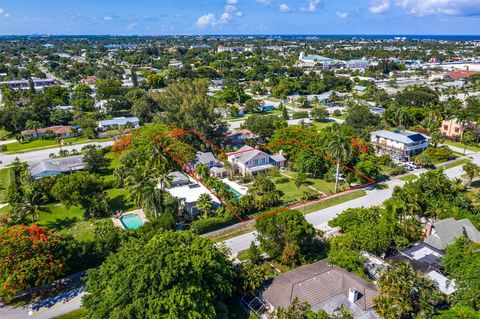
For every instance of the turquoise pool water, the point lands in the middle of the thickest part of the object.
(131, 221)
(236, 194)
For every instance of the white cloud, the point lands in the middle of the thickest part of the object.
(312, 5)
(232, 1)
(380, 7)
(107, 18)
(3, 13)
(131, 26)
(230, 8)
(342, 15)
(225, 17)
(238, 14)
(206, 20)
(441, 7)
(264, 2)
(284, 7)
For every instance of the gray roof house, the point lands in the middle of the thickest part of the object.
(442, 233)
(400, 144)
(178, 179)
(207, 159)
(324, 287)
(55, 166)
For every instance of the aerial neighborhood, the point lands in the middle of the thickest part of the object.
(239, 176)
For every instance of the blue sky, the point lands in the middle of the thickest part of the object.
(157, 17)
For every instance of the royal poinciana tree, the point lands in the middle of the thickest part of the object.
(29, 256)
(172, 275)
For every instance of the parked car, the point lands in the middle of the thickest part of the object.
(412, 164)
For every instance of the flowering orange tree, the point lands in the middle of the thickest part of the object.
(29, 257)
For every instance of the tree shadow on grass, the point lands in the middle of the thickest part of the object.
(60, 224)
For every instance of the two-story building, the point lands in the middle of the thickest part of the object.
(251, 161)
(400, 145)
(453, 129)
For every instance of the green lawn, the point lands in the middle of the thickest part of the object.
(5, 210)
(455, 164)
(6, 176)
(4, 134)
(289, 190)
(460, 145)
(320, 184)
(76, 314)
(42, 144)
(409, 178)
(321, 125)
(119, 200)
(59, 218)
(332, 201)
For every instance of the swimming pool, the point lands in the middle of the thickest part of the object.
(131, 221)
(236, 194)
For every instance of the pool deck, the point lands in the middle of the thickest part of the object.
(239, 188)
(117, 222)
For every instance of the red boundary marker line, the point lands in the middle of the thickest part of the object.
(227, 206)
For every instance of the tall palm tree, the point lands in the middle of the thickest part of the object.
(437, 138)
(135, 183)
(339, 148)
(153, 198)
(204, 205)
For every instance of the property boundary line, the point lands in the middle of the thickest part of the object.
(192, 174)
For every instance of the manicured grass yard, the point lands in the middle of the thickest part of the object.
(32, 144)
(119, 200)
(41, 143)
(321, 125)
(76, 314)
(455, 164)
(460, 145)
(409, 178)
(6, 175)
(290, 190)
(332, 201)
(320, 184)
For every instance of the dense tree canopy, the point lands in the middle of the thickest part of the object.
(29, 256)
(172, 275)
(287, 235)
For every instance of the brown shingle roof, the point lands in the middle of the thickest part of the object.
(316, 283)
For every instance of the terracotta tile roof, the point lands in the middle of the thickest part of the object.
(59, 129)
(458, 75)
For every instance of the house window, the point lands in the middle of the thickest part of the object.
(445, 127)
(457, 130)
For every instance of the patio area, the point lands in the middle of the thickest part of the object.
(130, 220)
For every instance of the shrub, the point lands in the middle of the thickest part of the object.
(206, 225)
(397, 170)
(300, 115)
(440, 154)
(282, 180)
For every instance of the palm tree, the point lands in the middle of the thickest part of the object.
(437, 138)
(28, 205)
(204, 204)
(472, 170)
(339, 148)
(153, 198)
(135, 182)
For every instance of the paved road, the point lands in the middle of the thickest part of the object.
(373, 197)
(34, 156)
